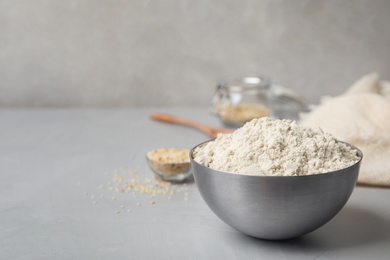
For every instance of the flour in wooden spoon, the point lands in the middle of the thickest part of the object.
(276, 147)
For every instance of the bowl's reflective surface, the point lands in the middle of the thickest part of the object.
(275, 207)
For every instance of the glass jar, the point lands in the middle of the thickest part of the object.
(239, 100)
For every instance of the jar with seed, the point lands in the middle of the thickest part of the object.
(239, 100)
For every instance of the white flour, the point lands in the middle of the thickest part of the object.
(276, 147)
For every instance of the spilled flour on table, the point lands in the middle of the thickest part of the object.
(131, 189)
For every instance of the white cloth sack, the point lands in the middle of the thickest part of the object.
(361, 117)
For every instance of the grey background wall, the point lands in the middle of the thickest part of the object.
(171, 53)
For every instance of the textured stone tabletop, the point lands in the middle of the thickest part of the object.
(60, 197)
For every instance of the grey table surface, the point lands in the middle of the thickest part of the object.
(58, 199)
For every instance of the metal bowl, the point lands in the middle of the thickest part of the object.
(275, 207)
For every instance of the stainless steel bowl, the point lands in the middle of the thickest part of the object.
(275, 207)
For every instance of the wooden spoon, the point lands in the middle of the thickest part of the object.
(210, 131)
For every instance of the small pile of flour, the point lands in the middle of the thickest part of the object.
(276, 147)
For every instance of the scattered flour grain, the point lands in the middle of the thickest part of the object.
(276, 147)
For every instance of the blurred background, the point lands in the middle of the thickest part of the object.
(98, 53)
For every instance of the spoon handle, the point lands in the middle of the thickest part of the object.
(209, 131)
(182, 121)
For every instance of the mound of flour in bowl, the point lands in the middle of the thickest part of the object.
(275, 147)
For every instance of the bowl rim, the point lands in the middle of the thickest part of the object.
(359, 152)
(168, 163)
